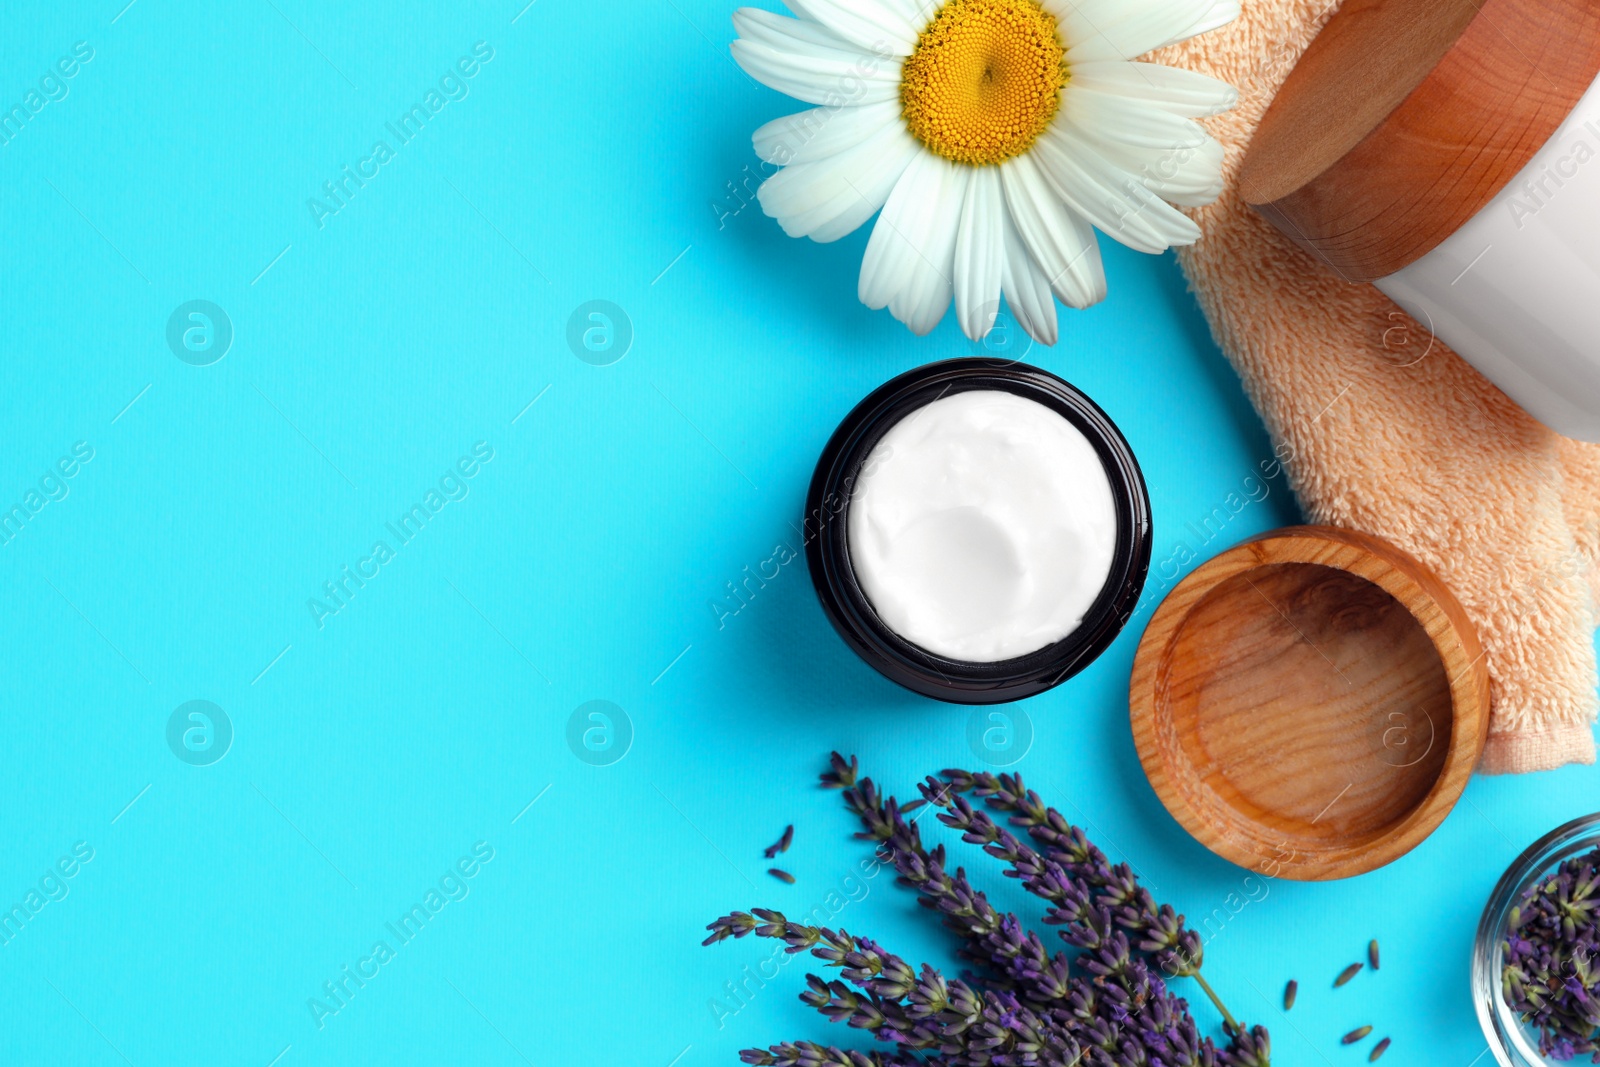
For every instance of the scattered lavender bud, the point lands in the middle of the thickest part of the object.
(781, 875)
(1288, 994)
(1355, 1035)
(1346, 974)
(1378, 1050)
(1372, 953)
(782, 844)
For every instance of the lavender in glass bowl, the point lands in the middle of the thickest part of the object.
(1535, 977)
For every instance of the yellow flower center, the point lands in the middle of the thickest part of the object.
(984, 80)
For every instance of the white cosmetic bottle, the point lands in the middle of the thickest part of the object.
(1449, 152)
(1516, 291)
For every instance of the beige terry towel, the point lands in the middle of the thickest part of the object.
(1385, 430)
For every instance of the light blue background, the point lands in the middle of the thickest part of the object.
(601, 154)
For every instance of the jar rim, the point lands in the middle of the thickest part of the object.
(826, 523)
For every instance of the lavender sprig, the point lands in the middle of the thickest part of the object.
(916, 1011)
(1248, 1048)
(994, 940)
(1160, 930)
(1070, 865)
(886, 979)
(1017, 958)
(1109, 1007)
(1088, 922)
(841, 773)
(811, 1054)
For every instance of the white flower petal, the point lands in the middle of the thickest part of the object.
(1061, 242)
(875, 25)
(909, 258)
(1112, 211)
(822, 132)
(1123, 29)
(1188, 177)
(1222, 12)
(1026, 287)
(857, 181)
(1172, 89)
(980, 253)
(798, 36)
(830, 197)
(816, 80)
(1132, 122)
(1114, 200)
(917, 13)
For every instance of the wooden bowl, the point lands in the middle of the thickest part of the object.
(1310, 704)
(1405, 117)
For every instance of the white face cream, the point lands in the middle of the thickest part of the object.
(983, 527)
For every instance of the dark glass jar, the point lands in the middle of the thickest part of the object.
(851, 612)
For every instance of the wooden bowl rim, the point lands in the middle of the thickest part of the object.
(1441, 616)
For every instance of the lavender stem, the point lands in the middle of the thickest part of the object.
(1227, 1016)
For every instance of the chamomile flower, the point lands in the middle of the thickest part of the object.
(994, 136)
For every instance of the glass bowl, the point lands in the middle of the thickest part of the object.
(1514, 1043)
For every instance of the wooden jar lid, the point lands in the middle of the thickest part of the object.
(1310, 704)
(1405, 117)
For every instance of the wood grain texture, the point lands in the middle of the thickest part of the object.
(1405, 117)
(1310, 704)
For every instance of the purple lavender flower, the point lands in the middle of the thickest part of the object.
(1549, 974)
(1249, 1048)
(1108, 1007)
(1074, 875)
(811, 1054)
(1159, 930)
